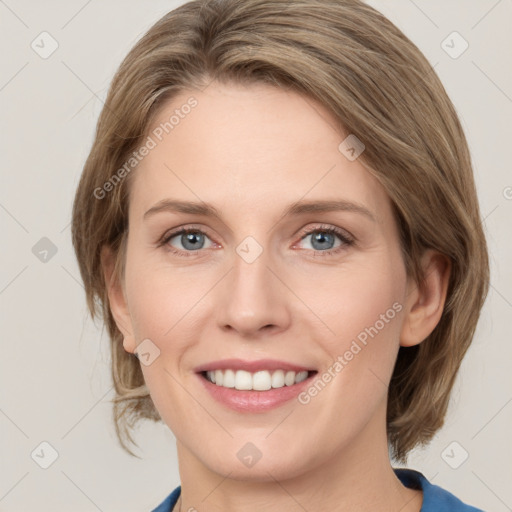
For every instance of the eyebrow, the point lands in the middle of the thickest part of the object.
(297, 208)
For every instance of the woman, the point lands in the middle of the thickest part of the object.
(279, 223)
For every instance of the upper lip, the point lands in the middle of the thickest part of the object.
(251, 366)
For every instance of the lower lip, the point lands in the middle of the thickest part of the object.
(254, 401)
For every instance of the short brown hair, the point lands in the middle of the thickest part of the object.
(378, 85)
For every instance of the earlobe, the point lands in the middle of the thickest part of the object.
(117, 299)
(425, 303)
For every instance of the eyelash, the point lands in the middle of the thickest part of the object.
(346, 240)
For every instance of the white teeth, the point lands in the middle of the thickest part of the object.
(301, 376)
(278, 379)
(243, 380)
(257, 381)
(261, 381)
(289, 378)
(229, 379)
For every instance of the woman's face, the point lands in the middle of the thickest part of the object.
(259, 288)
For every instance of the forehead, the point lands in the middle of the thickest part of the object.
(248, 148)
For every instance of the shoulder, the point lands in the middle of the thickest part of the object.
(169, 502)
(435, 498)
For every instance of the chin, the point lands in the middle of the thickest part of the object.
(266, 469)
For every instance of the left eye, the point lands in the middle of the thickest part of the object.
(322, 239)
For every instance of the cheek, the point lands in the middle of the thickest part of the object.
(162, 299)
(363, 310)
(161, 304)
(358, 298)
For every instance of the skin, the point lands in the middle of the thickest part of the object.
(251, 151)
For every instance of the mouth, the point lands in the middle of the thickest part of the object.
(255, 386)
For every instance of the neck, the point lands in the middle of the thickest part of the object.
(358, 476)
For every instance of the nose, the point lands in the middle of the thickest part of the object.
(253, 298)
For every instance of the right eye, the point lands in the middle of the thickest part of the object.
(191, 240)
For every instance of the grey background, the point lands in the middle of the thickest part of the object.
(54, 376)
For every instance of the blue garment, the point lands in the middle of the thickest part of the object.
(169, 502)
(435, 499)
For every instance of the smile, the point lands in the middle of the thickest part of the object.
(254, 386)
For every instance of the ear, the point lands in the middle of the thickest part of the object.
(425, 303)
(117, 298)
